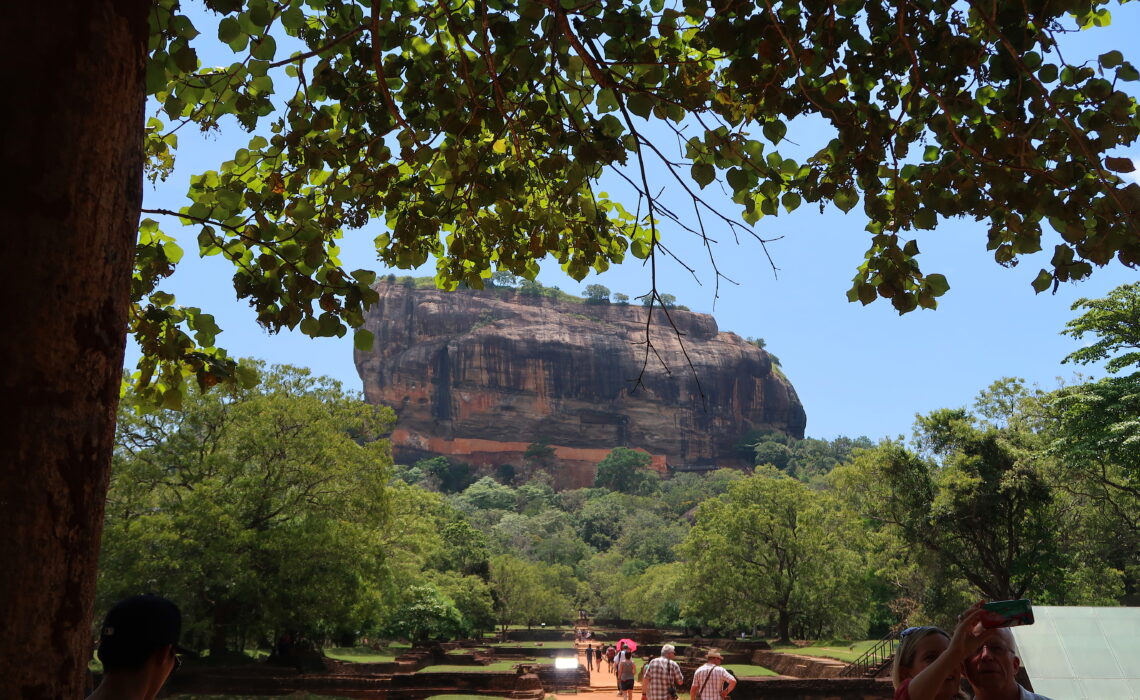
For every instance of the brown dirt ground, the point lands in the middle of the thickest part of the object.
(603, 685)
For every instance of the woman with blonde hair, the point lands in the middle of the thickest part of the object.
(928, 662)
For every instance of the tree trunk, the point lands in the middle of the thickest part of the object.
(783, 623)
(71, 147)
(219, 625)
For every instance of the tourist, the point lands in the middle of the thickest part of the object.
(626, 672)
(922, 670)
(992, 668)
(711, 681)
(590, 658)
(661, 676)
(610, 653)
(138, 646)
(929, 663)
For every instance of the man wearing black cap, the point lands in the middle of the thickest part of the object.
(138, 645)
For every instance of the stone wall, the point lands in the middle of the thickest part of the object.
(796, 665)
(267, 680)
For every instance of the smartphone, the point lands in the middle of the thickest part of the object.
(1007, 613)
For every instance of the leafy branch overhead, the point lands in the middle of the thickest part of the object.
(477, 131)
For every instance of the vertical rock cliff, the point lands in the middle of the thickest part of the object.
(480, 375)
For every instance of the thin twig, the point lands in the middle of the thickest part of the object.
(309, 54)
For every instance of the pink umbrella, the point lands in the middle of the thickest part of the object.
(627, 644)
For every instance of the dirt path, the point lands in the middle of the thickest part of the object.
(603, 684)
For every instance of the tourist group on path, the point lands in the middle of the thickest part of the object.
(928, 665)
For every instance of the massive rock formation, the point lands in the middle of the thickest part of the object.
(482, 375)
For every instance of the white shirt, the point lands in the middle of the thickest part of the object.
(1026, 695)
(709, 681)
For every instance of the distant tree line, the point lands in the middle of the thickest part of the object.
(279, 508)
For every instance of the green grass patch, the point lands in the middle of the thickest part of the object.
(840, 651)
(497, 667)
(361, 655)
(559, 644)
(748, 670)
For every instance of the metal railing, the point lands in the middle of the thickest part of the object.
(874, 659)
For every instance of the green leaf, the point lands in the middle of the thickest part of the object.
(246, 375)
(363, 339)
(183, 27)
(703, 174)
(186, 59)
(1043, 281)
(610, 126)
(774, 131)
(737, 179)
(791, 201)
(925, 219)
(155, 74)
(639, 248)
(931, 154)
(172, 251)
(172, 399)
(259, 13)
(292, 19)
(937, 284)
(265, 49)
(1111, 59)
(1127, 72)
(640, 104)
(846, 199)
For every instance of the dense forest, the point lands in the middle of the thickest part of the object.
(279, 507)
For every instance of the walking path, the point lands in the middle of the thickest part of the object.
(603, 684)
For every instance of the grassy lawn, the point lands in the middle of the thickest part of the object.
(560, 644)
(748, 670)
(362, 655)
(498, 666)
(842, 652)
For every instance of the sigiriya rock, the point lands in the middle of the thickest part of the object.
(481, 375)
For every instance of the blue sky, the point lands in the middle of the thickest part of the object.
(858, 370)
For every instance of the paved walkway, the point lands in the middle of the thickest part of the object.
(603, 684)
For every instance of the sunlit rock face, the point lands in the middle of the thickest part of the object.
(479, 376)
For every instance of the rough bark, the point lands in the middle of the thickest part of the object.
(72, 152)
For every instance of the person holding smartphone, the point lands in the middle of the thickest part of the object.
(928, 662)
(992, 669)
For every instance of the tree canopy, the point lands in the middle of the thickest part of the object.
(259, 511)
(479, 133)
(772, 546)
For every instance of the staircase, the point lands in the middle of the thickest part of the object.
(874, 660)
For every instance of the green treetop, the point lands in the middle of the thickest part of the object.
(1115, 322)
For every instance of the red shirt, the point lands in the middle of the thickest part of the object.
(903, 692)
